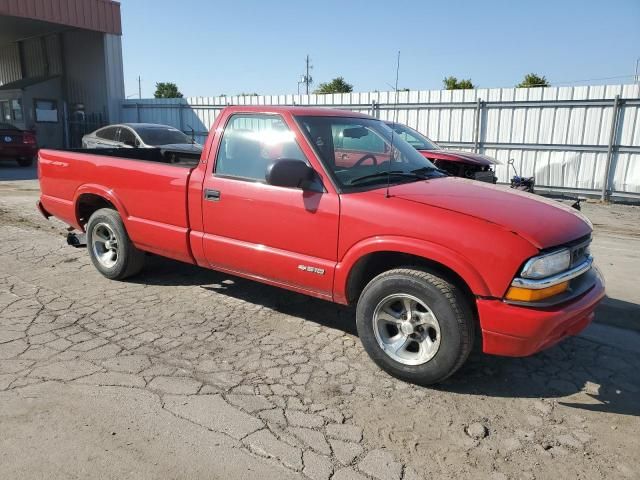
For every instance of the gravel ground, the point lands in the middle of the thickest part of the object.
(189, 373)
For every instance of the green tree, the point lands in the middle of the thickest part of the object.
(337, 85)
(533, 80)
(167, 90)
(452, 83)
(243, 94)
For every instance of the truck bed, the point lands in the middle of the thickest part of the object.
(159, 155)
(148, 187)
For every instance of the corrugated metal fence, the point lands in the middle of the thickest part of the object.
(572, 139)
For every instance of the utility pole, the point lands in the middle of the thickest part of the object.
(306, 78)
(637, 75)
(139, 87)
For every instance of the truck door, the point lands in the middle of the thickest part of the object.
(286, 236)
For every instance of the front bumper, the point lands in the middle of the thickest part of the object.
(518, 331)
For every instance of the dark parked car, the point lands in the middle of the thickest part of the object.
(18, 145)
(454, 162)
(141, 135)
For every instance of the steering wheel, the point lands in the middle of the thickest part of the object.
(365, 158)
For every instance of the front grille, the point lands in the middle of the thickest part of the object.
(579, 251)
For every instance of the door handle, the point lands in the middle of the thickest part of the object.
(212, 195)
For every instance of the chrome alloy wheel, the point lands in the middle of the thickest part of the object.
(406, 329)
(104, 244)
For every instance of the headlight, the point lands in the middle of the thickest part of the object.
(547, 265)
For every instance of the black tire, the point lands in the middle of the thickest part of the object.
(128, 259)
(445, 301)
(25, 162)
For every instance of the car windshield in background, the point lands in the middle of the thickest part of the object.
(358, 152)
(413, 138)
(161, 136)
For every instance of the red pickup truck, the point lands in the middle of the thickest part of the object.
(331, 204)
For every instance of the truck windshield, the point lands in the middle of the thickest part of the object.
(358, 152)
(162, 136)
(413, 137)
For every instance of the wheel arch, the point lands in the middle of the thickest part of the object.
(369, 258)
(89, 198)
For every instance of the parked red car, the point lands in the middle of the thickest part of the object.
(18, 145)
(323, 202)
(455, 162)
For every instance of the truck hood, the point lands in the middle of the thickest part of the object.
(544, 223)
(458, 156)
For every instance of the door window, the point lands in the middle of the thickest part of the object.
(250, 143)
(127, 137)
(108, 133)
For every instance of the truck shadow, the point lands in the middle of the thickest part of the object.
(599, 382)
(596, 378)
(619, 313)
(162, 271)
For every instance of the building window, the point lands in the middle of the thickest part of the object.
(5, 113)
(46, 111)
(16, 108)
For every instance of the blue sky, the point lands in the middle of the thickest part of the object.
(211, 47)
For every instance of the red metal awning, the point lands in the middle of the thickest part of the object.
(96, 15)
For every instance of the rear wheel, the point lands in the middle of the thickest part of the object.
(415, 325)
(110, 248)
(25, 162)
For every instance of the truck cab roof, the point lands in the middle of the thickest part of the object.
(296, 110)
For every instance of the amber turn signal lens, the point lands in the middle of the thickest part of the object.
(520, 294)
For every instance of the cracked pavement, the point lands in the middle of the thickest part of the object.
(183, 372)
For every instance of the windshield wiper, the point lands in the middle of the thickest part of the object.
(396, 173)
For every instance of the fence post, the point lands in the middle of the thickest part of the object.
(375, 107)
(138, 112)
(181, 108)
(606, 193)
(477, 126)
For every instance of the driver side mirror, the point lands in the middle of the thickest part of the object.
(293, 173)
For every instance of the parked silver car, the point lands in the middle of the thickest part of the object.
(141, 135)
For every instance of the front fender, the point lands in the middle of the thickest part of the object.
(411, 246)
(100, 191)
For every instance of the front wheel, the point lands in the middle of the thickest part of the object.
(415, 325)
(110, 248)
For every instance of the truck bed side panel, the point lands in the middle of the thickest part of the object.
(151, 197)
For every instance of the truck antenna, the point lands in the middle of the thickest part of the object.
(393, 129)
